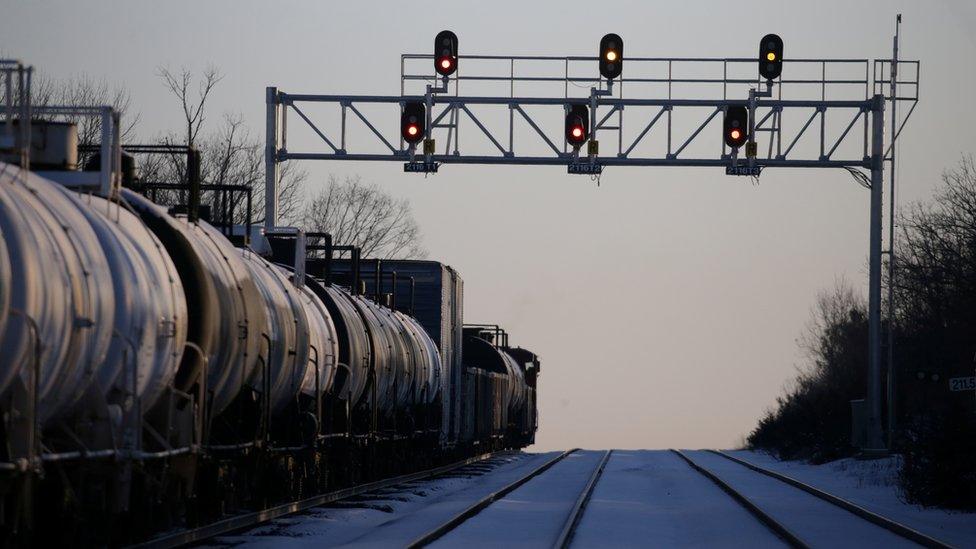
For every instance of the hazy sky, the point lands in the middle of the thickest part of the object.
(664, 304)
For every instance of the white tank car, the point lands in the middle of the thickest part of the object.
(150, 305)
(517, 384)
(59, 278)
(4, 298)
(284, 352)
(428, 363)
(355, 346)
(387, 355)
(225, 309)
(403, 355)
(323, 347)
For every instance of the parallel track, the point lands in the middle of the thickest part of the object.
(484, 502)
(774, 526)
(569, 528)
(250, 520)
(780, 530)
(884, 522)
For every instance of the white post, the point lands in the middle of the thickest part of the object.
(892, 392)
(271, 159)
(107, 153)
(874, 438)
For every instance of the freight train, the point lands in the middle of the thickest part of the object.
(159, 371)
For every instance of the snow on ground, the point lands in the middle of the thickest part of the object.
(654, 499)
(873, 485)
(393, 518)
(813, 520)
(644, 499)
(533, 514)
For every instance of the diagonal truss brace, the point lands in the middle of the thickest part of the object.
(666, 113)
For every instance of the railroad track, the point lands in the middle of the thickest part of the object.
(569, 525)
(785, 533)
(250, 520)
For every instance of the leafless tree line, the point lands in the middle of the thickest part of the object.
(352, 211)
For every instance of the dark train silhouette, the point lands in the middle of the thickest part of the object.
(159, 370)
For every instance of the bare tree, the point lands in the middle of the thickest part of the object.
(364, 215)
(85, 91)
(229, 155)
(193, 107)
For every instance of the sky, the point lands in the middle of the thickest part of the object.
(665, 303)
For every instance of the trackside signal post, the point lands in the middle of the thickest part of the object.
(812, 120)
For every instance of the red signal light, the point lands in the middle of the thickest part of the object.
(412, 122)
(445, 53)
(577, 127)
(736, 126)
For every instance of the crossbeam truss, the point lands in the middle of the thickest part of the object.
(446, 121)
(831, 114)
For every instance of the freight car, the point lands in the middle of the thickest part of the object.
(158, 370)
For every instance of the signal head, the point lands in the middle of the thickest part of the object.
(413, 122)
(736, 126)
(611, 56)
(445, 53)
(577, 125)
(771, 56)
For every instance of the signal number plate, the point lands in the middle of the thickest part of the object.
(585, 168)
(962, 383)
(421, 167)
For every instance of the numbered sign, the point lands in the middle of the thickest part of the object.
(962, 383)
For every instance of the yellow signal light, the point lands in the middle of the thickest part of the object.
(771, 56)
(611, 55)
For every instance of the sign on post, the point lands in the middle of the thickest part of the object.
(962, 383)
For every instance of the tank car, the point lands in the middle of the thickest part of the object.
(160, 369)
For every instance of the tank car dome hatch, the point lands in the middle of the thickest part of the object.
(131, 176)
(54, 146)
(62, 281)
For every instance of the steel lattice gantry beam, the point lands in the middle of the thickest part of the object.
(811, 131)
(782, 151)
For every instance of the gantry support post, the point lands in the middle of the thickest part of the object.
(875, 440)
(270, 159)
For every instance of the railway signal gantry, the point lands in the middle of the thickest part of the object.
(827, 113)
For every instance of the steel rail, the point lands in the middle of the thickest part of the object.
(771, 523)
(886, 523)
(576, 513)
(484, 502)
(249, 520)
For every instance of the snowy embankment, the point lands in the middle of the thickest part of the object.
(393, 517)
(874, 485)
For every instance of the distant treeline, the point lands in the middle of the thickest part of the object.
(935, 344)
